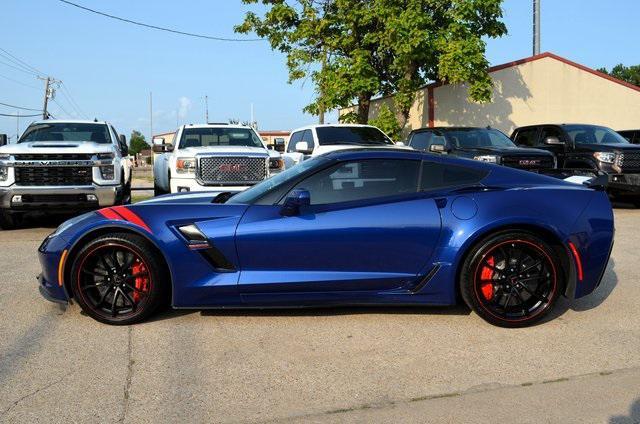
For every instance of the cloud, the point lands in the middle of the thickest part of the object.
(184, 107)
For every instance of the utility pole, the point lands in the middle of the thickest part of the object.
(252, 123)
(536, 27)
(151, 116)
(17, 124)
(321, 102)
(206, 109)
(49, 92)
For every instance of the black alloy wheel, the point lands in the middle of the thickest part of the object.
(118, 279)
(512, 280)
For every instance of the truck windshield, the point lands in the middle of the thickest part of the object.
(368, 136)
(593, 134)
(219, 137)
(473, 138)
(62, 132)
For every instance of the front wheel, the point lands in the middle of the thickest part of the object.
(118, 279)
(512, 279)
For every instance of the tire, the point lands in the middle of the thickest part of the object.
(491, 285)
(125, 194)
(157, 191)
(9, 221)
(120, 291)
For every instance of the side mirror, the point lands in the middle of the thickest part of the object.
(294, 201)
(303, 147)
(438, 148)
(159, 146)
(278, 145)
(3, 139)
(123, 145)
(552, 140)
(400, 143)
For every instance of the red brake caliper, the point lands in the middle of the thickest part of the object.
(141, 283)
(487, 274)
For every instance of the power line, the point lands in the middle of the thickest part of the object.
(190, 34)
(25, 64)
(20, 107)
(61, 108)
(65, 91)
(17, 68)
(19, 116)
(18, 82)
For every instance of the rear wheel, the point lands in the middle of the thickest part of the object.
(512, 279)
(118, 279)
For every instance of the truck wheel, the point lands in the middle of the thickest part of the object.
(157, 191)
(8, 221)
(126, 195)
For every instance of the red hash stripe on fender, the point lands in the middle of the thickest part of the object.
(122, 213)
(110, 214)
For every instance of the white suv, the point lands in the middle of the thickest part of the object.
(314, 140)
(213, 157)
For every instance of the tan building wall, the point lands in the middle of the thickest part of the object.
(541, 89)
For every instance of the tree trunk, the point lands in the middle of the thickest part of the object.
(364, 103)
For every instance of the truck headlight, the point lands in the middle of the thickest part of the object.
(107, 172)
(486, 158)
(276, 164)
(4, 170)
(185, 165)
(606, 157)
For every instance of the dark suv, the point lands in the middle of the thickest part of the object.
(581, 149)
(633, 136)
(483, 144)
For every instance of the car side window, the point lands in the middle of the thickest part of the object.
(526, 137)
(308, 137)
(421, 140)
(439, 175)
(361, 180)
(295, 137)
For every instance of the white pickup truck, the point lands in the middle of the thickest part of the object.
(314, 140)
(63, 166)
(212, 157)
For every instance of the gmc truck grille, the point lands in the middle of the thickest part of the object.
(528, 162)
(628, 161)
(49, 156)
(232, 170)
(54, 176)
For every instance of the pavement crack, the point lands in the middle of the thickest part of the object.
(33, 393)
(127, 382)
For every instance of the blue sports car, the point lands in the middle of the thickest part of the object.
(353, 227)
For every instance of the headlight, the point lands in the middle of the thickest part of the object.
(4, 173)
(102, 156)
(486, 158)
(107, 172)
(606, 157)
(185, 165)
(276, 163)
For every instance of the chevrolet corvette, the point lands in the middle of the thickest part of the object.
(369, 226)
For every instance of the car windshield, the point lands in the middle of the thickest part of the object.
(473, 138)
(254, 193)
(593, 134)
(219, 137)
(61, 132)
(368, 136)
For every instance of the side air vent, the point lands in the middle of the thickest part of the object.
(198, 241)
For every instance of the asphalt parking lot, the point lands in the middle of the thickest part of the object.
(335, 365)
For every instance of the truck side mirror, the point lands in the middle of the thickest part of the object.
(303, 147)
(552, 140)
(278, 145)
(3, 139)
(123, 145)
(159, 146)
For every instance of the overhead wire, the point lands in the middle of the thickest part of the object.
(20, 107)
(156, 27)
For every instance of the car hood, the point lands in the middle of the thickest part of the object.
(511, 151)
(617, 147)
(44, 147)
(223, 151)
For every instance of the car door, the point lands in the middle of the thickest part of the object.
(367, 229)
(292, 157)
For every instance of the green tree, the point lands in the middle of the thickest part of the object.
(356, 49)
(137, 143)
(388, 122)
(630, 74)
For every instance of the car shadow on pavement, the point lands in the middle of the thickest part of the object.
(340, 310)
(593, 300)
(632, 418)
(34, 220)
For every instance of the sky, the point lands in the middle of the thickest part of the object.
(109, 68)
